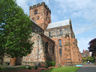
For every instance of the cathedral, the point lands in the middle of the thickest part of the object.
(52, 41)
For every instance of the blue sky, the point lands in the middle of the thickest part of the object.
(81, 12)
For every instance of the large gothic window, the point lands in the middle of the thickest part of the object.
(60, 52)
(60, 43)
(52, 49)
(46, 47)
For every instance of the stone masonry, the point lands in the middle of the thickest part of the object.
(52, 41)
(66, 50)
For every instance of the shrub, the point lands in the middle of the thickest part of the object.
(50, 63)
(35, 67)
(53, 63)
(28, 67)
(22, 67)
(0, 68)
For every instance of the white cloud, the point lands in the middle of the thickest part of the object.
(83, 9)
(54, 18)
(83, 43)
(84, 28)
(79, 8)
(24, 4)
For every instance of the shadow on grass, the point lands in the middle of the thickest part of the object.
(11, 69)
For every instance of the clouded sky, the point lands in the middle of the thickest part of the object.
(81, 12)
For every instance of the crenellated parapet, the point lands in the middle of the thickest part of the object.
(40, 4)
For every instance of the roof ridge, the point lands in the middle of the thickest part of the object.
(60, 21)
(59, 24)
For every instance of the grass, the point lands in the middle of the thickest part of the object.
(62, 69)
(4, 68)
(15, 68)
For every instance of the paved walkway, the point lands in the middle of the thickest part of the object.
(88, 68)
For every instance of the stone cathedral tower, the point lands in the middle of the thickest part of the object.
(41, 15)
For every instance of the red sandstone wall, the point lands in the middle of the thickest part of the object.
(43, 17)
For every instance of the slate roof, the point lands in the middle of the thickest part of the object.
(59, 24)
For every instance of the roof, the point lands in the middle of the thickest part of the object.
(59, 24)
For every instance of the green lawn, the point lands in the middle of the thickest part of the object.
(63, 69)
(10, 68)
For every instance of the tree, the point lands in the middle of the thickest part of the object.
(2, 48)
(17, 29)
(89, 58)
(92, 45)
(2, 34)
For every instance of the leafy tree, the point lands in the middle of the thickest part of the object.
(2, 48)
(17, 28)
(90, 59)
(92, 45)
(2, 34)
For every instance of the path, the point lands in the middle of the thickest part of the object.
(88, 68)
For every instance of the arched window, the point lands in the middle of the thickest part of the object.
(60, 52)
(46, 47)
(60, 43)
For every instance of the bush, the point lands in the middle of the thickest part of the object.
(0, 68)
(50, 63)
(46, 66)
(28, 67)
(22, 67)
(53, 63)
(35, 67)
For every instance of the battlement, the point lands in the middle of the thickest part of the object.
(40, 4)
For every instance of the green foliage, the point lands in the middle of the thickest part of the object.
(86, 59)
(0, 68)
(50, 63)
(10, 69)
(16, 29)
(28, 67)
(53, 63)
(35, 67)
(2, 33)
(92, 45)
